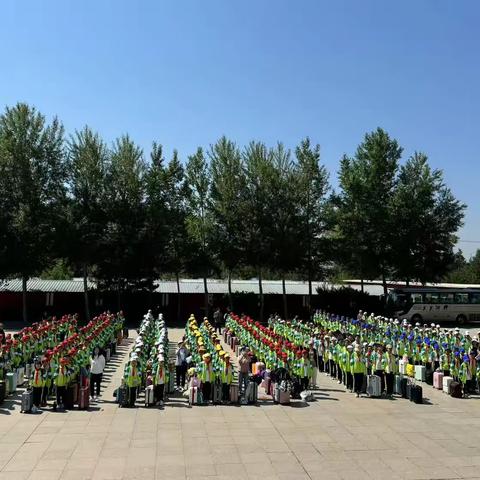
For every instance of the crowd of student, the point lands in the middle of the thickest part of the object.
(148, 365)
(57, 358)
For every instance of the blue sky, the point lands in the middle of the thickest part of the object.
(185, 72)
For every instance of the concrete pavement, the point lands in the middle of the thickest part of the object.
(337, 436)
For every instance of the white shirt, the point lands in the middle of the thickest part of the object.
(97, 364)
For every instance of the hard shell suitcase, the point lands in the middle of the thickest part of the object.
(456, 390)
(416, 394)
(410, 369)
(125, 332)
(217, 393)
(3, 391)
(374, 388)
(233, 342)
(149, 396)
(402, 367)
(429, 377)
(409, 390)
(27, 401)
(397, 385)
(438, 380)
(420, 373)
(75, 394)
(251, 395)
(234, 393)
(284, 397)
(403, 387)
(69, 392)
(170, 386)
(194, 396)
(84, 398)
(107, 354)
(237, 349)
(11, 381)
(446, 381)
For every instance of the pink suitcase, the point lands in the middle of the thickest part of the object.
(438, 380)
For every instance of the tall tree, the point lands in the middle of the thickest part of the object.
(286, 234)
(176, 237)
(88, 159)
(426, 216)
(123, 262)
(312, 189)
(199, 219)
(32, 179)
(257, 210)
(364, 206)
(227, 194)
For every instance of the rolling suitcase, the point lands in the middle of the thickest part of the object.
(374, 388)
(217, 393)
(251, 395)
(410, 370)
(456, 390)
(403, 387)
(125, 332)
(446, 381)
(409, 390)
(11, 381)
(397, 384)
(68, 404)
(107, 354)
(438, 380)
(194, 396)
(234, 393)
(75, 394)
(283, 397)
(84, 398)
(3, 391)
(420, 373)
(402, 366)
(416, 394)
(149, 396)
(27, 401)
(429, 377)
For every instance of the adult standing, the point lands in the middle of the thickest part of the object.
(97, 365)
(244, 363)
(217, 320)
(181, 364)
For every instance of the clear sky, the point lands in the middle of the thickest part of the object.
(184, 72)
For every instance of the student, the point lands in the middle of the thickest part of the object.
(207, 377)
(226, 377)
(159, 380)
(97, 365)
(61, 380)
(358, 369)
(244, 363)
(37, 382)
(181, 364)
(133, 380)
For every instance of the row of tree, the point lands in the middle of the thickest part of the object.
(126, 221)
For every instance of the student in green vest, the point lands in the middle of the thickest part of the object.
(348, 372)
(226, 377)
(133, 380)
(391, 368)
(37, 382)
(358, 369)
(61, 380)
(207, 377)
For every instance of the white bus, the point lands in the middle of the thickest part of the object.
(426, 305)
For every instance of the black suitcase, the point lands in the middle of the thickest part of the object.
(403, 386)
(416, 394)
(69, 397)
(3, 391)
(429, 377)
(456, 390)
(125, 332)
(409, 391)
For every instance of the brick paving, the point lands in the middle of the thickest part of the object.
(337, 436)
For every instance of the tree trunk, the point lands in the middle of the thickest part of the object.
(85, 293)
(407, 283)
(361, 285)
(309, 287)
(260, 293)
(179, 307)
(384, 283)
(206, 295)
(24, 298)
(284, 294)
(119, 295)
(230, 302)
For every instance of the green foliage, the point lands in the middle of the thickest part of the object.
(462, 271)
(60, 270)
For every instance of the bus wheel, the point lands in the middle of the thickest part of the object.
(461, 320)
(417, 318)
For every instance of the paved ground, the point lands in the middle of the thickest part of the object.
(337, 436)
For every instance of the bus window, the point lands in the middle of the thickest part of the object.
(417, 298)
(446, 297)
(475, 298)
(431, 297)
(461, 297)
